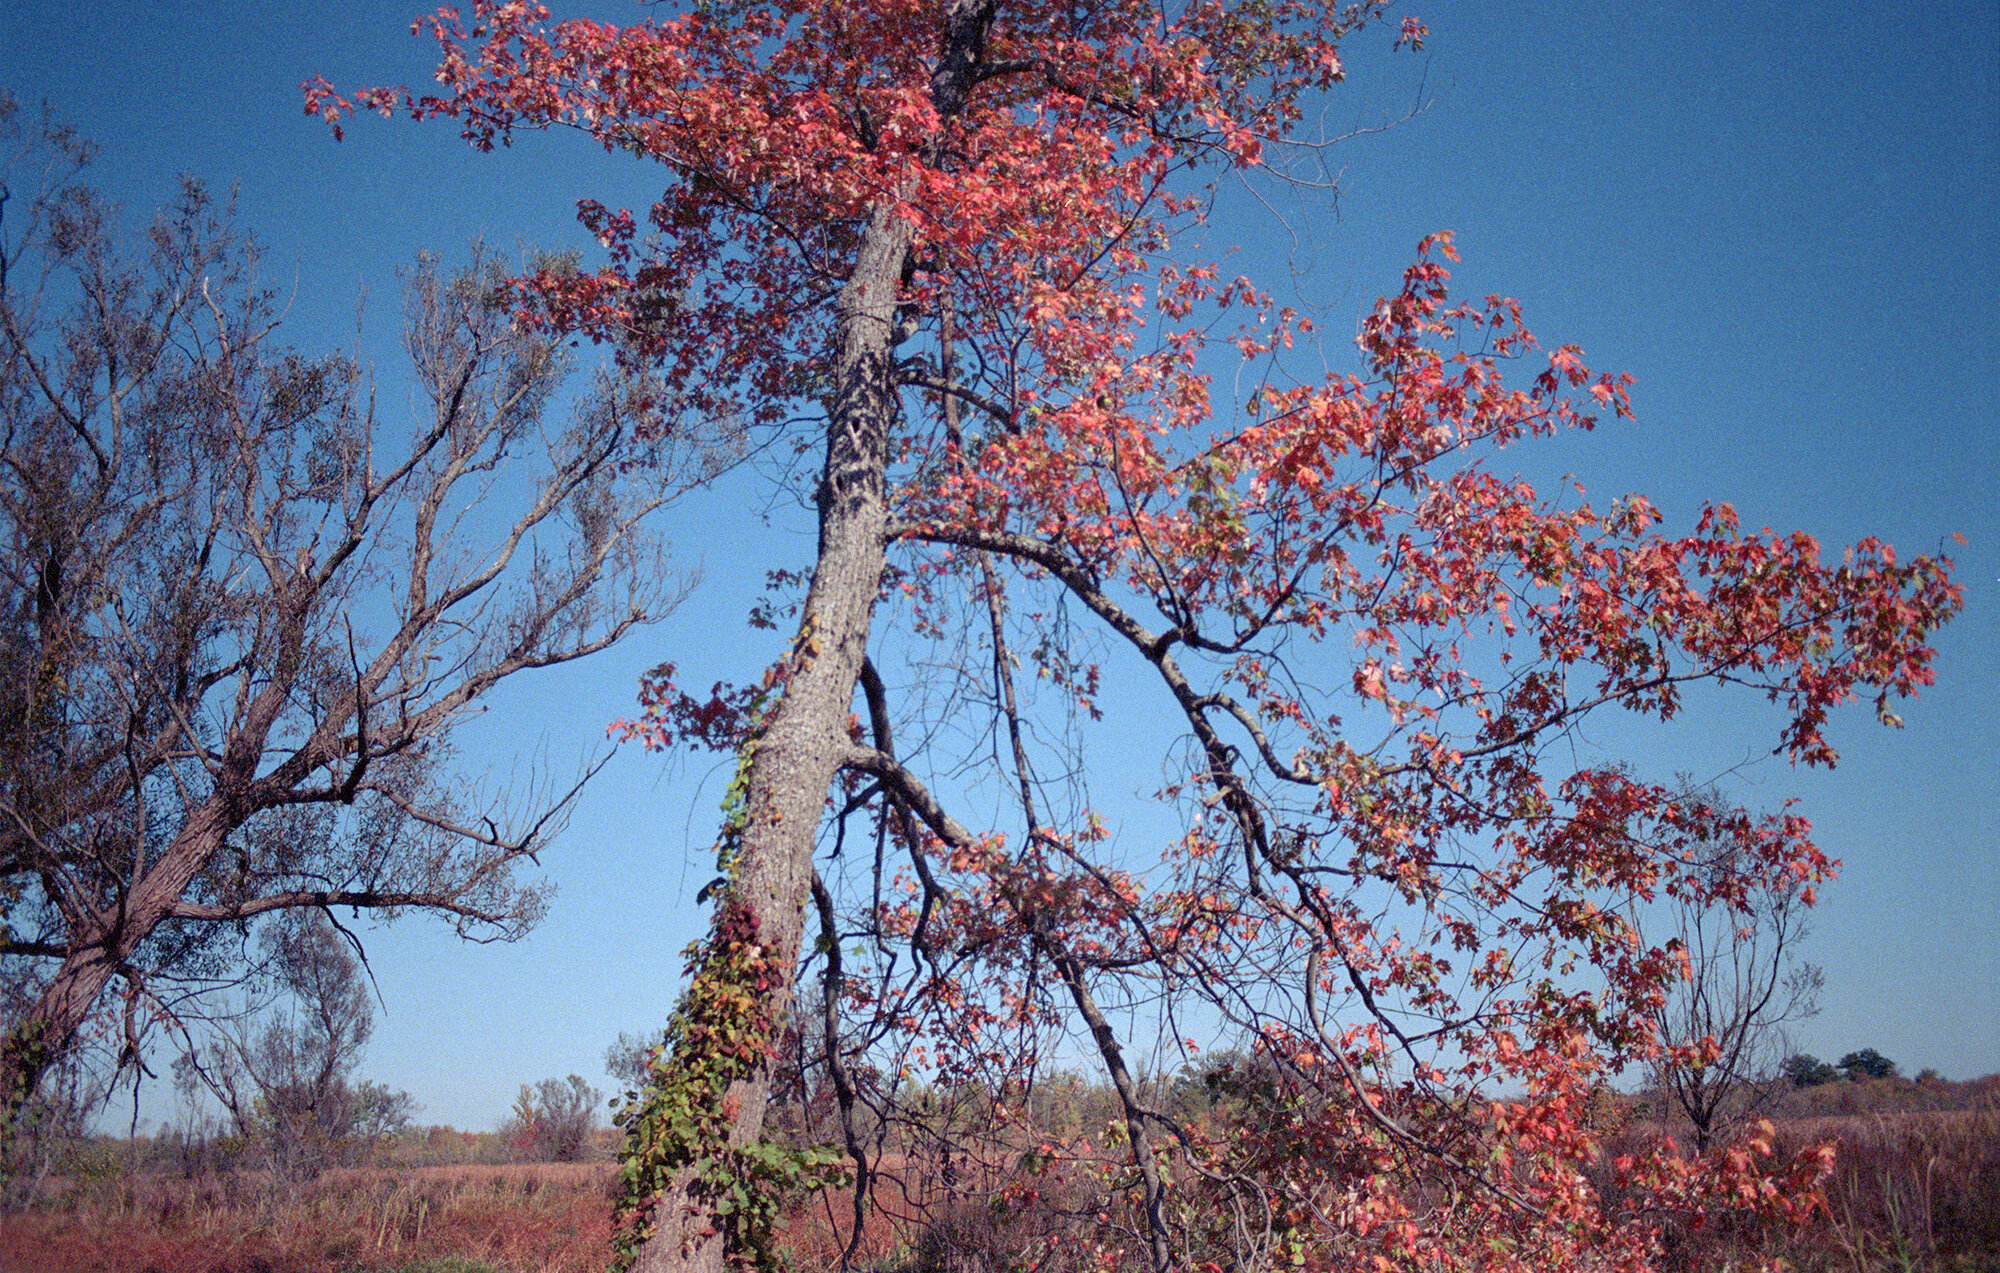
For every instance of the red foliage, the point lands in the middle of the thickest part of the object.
(1391, 879)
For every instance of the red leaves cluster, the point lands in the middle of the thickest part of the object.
(670, 717)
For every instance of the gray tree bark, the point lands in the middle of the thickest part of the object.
(805, 742)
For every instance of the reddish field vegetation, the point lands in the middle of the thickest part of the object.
(551, 1218)
(1912, 1192)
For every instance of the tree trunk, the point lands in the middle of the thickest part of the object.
(47, 1028)
(799, 750)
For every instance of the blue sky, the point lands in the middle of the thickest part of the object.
(1779, 218)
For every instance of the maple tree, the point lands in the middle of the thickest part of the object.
(934, 242)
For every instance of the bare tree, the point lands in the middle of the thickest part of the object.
(552, 1121)
(1723, 1024)
(628, 1060)
(284, 1075)
(240, 613)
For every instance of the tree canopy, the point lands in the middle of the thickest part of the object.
(240, 612)
(1867, 1063)
(934, 245)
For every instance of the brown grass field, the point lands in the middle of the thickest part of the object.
(538, 1217)
(1912, 1193)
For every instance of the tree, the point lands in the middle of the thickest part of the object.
(1807, 1070)
(552, 1120)
(1867, 1063)
(241, 614)
(1722, 1026)
(934, 246)
(284, 1077)
(52, 1133)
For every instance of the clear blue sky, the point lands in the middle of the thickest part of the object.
(1779, 218)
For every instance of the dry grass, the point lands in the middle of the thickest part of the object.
(523, 1219)
(1913, 1192)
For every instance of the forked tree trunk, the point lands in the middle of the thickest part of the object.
(100, 946)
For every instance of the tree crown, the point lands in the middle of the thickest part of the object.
(945, 234)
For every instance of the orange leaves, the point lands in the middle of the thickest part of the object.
(1736, 1178)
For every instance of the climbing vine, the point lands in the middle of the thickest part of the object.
(723, 1031)
(24, 1054)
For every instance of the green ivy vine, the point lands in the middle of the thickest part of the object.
(24, 1054)
(719, 1036)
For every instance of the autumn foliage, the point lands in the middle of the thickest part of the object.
(935, 243)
